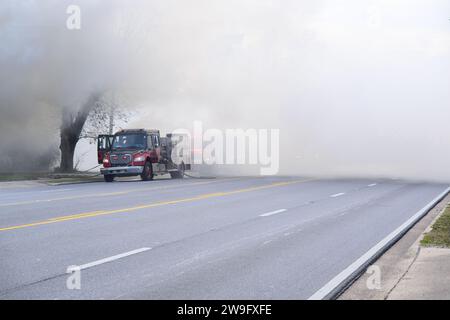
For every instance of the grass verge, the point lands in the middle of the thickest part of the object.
(439, 236)
(21, 176)
(51, 178)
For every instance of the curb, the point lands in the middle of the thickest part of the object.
(343, 280)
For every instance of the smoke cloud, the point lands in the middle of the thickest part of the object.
(357, 88)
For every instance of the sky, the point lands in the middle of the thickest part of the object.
(357, 88)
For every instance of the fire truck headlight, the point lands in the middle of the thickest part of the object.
(139, 159)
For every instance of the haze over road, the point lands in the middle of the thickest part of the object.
(227, 238)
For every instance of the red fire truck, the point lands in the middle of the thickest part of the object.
(141, 152)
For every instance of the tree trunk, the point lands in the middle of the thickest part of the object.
(71, 127)
(67, 148)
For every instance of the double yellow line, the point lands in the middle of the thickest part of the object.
(151, 205)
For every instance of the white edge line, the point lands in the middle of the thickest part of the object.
(337, 195)
(356, 266)
(106, 260)
(272, 213)
(372, 185)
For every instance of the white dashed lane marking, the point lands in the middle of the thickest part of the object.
(337, 195)
(271, 213)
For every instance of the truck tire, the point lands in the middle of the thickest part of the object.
(178, 174)
(147, 173)
(108, 177)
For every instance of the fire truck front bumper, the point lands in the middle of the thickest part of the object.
(122, 171)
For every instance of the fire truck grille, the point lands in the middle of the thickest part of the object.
(120, 159)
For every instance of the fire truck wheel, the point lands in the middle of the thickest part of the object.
(147, 173)
(109, 178)
(178, 174)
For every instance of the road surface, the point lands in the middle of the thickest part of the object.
(227, 238)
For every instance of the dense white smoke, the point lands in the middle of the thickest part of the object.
(357, 88)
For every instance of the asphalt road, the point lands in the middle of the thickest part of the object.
(230, 238)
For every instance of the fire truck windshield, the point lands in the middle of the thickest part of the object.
(129, 141)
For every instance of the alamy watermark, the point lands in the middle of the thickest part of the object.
(73, 281)
(258, 147)
(73, 21)
(373, 282)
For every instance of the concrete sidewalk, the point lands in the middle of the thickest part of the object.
(408, 271)
(428, 277)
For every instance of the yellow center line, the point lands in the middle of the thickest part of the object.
(151, 205)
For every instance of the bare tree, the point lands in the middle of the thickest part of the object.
(109, 112)
(96, 116)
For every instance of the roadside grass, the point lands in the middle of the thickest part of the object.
(51, 178)
(439, 236)
(22, 176)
